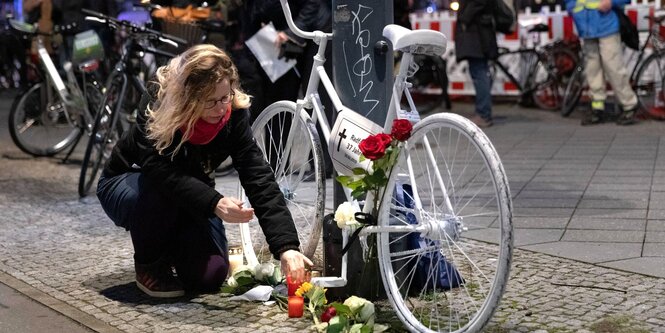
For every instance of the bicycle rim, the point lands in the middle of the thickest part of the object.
(103, 136)
(305, 199)
(39, 123)
(450, 277)
(649, 86)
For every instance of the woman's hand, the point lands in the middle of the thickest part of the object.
(605, 5)
(282, 37)
(230, 210)
(295, 265)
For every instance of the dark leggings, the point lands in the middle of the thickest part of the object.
(162, 230)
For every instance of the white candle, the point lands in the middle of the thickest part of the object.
(235, 258)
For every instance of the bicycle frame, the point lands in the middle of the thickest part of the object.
(312, 101)
(74, 98)
(527, 86)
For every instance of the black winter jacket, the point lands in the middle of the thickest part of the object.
(475, 36)
(188, 179)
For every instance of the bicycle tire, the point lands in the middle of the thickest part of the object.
(38, 122)
(305, 200)
(649, 85)
(429, 84)
(101, 139)
(573, 92)
(548, 91)
(477, 258)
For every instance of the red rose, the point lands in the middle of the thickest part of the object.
(374, 146)
(401, 129)
(328, 314)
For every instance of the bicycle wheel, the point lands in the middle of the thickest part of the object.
(300, 177)
(429, 85)
(573, 92)
(39, 124)
(105, 133)
(448, 276)
(547, 88)
(649, 86)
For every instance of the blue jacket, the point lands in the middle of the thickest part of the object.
(590, 22)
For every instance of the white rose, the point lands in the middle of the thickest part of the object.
(264, 271)
(232, 282)
(366, 312)
(354, 303)
(345, 215)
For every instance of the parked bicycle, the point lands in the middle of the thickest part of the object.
(540, 74)
(429, 84)
(454, 197)
(646, 77)
(122, 92)
(54, 113)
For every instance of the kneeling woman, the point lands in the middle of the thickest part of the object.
(159, 180)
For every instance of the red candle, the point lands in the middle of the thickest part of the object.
(292, 286)
(296, 306)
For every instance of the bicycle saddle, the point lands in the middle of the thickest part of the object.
(540, 27)
(428, 42)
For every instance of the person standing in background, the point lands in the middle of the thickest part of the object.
(475, 42)
(598, 27)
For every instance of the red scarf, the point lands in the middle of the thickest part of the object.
(203, 131)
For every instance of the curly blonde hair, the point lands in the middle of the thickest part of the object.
(184, 84)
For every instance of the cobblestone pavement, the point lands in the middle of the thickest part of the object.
(68, 251)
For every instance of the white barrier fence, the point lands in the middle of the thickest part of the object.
(560, 26)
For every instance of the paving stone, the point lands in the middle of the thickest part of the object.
(611, 213)
(606, 223)
(542, 222)
(655, 225)
(588, 251)
(613, 204)
(654, 266)
(655, 237)
(657, 214)
(615, 236)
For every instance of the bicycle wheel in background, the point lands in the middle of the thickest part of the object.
(300, 176)
(429, 88)
(105, 133)
(648, 86)
(551, 77)
(450, 275)
(38, 122)
(573, 92)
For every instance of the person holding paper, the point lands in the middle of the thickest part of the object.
(159, 180)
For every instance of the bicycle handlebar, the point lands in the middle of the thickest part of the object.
(165, 38)
(31, 30)
(292, 25)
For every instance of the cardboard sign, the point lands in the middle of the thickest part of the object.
(349, 129)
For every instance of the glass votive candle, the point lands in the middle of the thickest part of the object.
(296, 306)
(292, 286)
(235, 258)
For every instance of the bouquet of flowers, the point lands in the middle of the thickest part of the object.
(382, 149)
(356, 314)
(245, 278)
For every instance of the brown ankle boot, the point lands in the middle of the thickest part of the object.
(157, 280)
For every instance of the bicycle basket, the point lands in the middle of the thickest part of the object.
(87, 46)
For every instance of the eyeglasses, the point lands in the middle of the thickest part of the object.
(224, 100)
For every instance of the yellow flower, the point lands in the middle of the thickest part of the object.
(303, 289)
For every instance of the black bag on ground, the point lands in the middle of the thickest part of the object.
(628, 30)
(504, 18)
